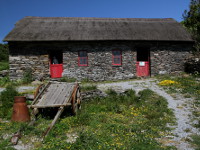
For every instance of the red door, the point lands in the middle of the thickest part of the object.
(143, 65)
(56, 70)
(56, 64)
(142, 68)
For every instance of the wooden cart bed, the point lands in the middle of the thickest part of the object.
(55, 94)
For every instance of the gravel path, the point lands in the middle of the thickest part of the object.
(21, 88)
(181, 106)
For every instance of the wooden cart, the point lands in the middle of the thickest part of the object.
(53, 94)
(57, 94)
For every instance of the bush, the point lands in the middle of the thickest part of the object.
(192, 66)
(7, 98)
(4, 81)
(27, 76)
(4, 52)
(4, 66)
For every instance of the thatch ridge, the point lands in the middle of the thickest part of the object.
(92, 29)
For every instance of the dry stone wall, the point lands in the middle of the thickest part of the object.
(23, 57)
(169, 58)
(99, 62)
(165, 58)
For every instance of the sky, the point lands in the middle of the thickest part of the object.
(13, 10)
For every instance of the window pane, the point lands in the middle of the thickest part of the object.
(83, 61)
(116, 53)
(82, 54)
(117, 60)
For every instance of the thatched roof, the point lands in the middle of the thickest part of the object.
(91, 29)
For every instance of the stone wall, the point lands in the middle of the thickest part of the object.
(168, 58)
(99, 62)
(23, 57)
(165, 58)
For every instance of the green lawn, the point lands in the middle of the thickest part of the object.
(116, 122)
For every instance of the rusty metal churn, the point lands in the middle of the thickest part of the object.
(20, 110)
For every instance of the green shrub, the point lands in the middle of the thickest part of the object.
(4, 66)
(4, 52)
(27, 76)
(4, 81)
(7, 98)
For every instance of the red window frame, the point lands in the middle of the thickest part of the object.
(82, 58)
(116, 56)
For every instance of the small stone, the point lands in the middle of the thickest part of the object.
(36, 82)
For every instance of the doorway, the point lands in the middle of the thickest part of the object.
(56, 64)
(143, 62)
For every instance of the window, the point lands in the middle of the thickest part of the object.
(82, 58)
(116, 58)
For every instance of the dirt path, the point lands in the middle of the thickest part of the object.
(181, 106)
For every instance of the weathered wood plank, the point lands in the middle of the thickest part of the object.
(37, 97)
(57, 92)
(51, 91)
(43, 99)
(69, 95)
(44, 106)
(63, 95)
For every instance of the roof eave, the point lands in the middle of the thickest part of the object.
(7, 40)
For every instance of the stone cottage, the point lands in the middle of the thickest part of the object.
(97, 48)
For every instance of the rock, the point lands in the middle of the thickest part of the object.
(36, 82)
(29, 96)
(71, 137)
(4, 73)
(91, 94)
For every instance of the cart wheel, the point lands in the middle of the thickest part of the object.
(74, 105)
(76, 101)
(79, 98)
(38, 90)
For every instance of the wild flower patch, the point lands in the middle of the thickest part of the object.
(119, 121)
(167, 82)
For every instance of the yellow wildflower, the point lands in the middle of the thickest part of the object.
(167, 82)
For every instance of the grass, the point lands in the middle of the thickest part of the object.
(4, 81)
(123, 121)
(189, 86)
(196, 142)
(26, 79)
(87, 87)
(66, 79)
(4, 66)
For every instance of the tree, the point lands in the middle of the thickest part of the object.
(3, 52)
(192, 21)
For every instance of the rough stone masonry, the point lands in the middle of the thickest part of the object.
(165, 58)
